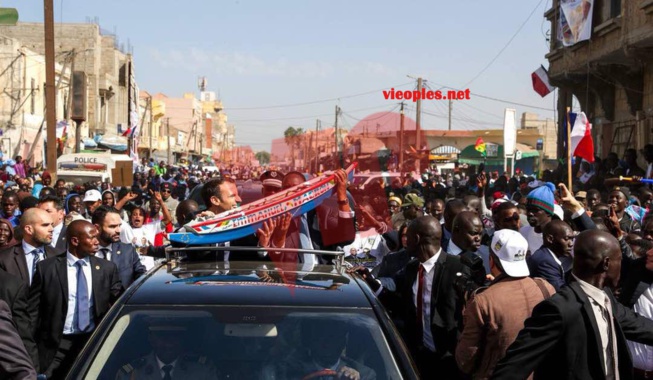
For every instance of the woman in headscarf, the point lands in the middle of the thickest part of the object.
(6, 234)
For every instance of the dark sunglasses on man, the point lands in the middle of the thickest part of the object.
(513, 218)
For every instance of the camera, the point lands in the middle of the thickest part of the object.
(466, 284)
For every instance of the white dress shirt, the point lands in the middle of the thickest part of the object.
(29, 257)
(162, 364)
(641, 353)
(70, 326)
(107, 256)
(429, 271)
(55, 234)
(602, 316)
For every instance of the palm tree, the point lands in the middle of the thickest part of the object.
(292, 138)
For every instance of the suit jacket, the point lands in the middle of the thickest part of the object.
(327, 229)
(446, 305)
(48, 300)
(14, 361)
(128, 262)
(542, 264)
(14, 292)
(561, 339)
(61, 244)
(13, 260)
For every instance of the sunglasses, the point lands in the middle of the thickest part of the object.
(513, 218)
(166, 191)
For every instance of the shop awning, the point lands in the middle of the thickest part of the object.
(471, 156)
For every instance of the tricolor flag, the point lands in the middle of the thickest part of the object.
(582, 144)
(541, 83)
(480, 146)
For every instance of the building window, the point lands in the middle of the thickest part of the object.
(607, 10)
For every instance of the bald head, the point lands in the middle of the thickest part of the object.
(37, 226)
(558, 237)
(186, 210)
(467, 230)
(82, 237)
(423, 237)
(597, 258)
(292, 179)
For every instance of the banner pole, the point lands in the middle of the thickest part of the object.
(569, 182)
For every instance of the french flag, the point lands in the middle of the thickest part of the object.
(582, 144)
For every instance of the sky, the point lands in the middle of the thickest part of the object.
(265, 57)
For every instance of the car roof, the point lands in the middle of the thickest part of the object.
(237, 283)
(371, 174)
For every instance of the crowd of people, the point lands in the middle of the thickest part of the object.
(485, 275)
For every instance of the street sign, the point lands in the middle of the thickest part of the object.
(8, 16)
(518, 155)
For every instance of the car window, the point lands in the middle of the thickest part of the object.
(242, 343)
(359, 180)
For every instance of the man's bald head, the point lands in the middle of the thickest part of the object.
(292, 179)
(467, 230)
(37, 226)
(424, 235)
(82, 237)
(186, 210)
(597, 258)
(558, 236)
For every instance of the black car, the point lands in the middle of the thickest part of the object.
(245, 320)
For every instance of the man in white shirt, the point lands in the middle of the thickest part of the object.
(64, 320)
(540, 211)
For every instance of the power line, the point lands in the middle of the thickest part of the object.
(303, 117)
(496, 99)
(316, 101)
(504, 47)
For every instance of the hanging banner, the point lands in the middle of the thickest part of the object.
(575, 23)
(509, 132)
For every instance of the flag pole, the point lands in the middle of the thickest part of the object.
(569, 182)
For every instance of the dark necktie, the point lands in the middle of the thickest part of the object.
(82, 309)
(167, 369)
(103, 253)
(38, 256)
(420, 301)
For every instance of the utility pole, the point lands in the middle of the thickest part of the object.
(151, 129)
(169, 147)
(450, 109)
(337, 135)
(50, 89)
(317, 153)
(401, 140)
(418, 118)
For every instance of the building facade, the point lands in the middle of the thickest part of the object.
(610, 74)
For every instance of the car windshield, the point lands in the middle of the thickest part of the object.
(243, 343)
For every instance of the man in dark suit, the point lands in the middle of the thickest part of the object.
(14, 292)
(107, 221)
(553, 259)
(426, 287)
(580, 332)
(69, 296)
(14, 361)
(54, 206)
(20, 260)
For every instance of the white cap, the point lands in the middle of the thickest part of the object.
(510, 247)
(557, 211)
(92, 196)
